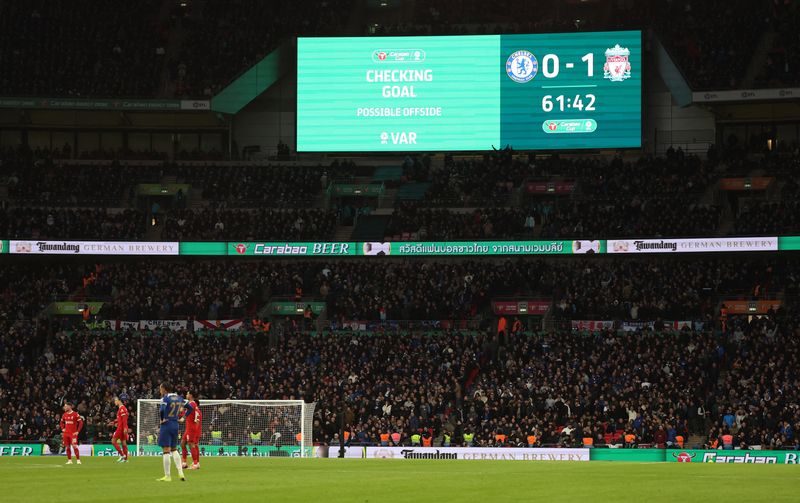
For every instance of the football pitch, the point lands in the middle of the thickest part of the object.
(328, 480)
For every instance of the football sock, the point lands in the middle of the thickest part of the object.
(177, 458)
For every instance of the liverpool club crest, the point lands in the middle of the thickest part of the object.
(618, 65)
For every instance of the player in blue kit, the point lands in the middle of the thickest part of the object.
(171, 412)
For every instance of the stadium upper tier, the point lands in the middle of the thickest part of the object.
(165, 49)
(499, 196)
(152, 48)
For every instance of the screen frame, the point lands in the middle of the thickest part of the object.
(390, 153)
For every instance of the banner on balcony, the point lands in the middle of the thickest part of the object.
(218, 324)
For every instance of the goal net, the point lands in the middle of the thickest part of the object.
(257, 428)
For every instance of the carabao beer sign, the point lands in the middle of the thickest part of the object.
(20, 450)
(736, 456)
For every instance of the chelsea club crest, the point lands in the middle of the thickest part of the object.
(522, 66)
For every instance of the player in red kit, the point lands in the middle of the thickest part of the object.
(121, 433)
(194, 424)
(71, 425)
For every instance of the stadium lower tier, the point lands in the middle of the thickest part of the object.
(446, 388)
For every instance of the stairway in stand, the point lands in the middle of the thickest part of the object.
(695, 441)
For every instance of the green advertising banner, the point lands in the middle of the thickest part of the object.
(447, 248)
(109, 450)
(530, 91)
(8, 450)
(158, 189)
(294, 308)
(74, 308)
(789, 243)
(283, 249)
(629, 455)
(351, 189)
(255, 451)
(203, 248)
(103, 104)
(733, 456)
(402, 248)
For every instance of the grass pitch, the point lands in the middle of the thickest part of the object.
(355, 480)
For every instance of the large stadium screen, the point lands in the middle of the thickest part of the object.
(532, 92)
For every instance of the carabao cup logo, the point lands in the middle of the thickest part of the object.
(522, 66)
(683, 457)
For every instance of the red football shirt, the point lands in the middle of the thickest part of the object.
(71, 423)
(122, 418)
(194, 419)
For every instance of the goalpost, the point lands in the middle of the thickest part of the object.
(256, 428)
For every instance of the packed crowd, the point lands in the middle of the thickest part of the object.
(45, 183)
(409, 290)
(485, 181)
(224, 38)
(782, 65)
(49, 48)
(122, 52)
(144, 50)
(714, 41)
(610, 198)
(448, 225)
(650, 290)
(638, 217)
(352, 290)
(675, 173)
(76, 223)
(258, 186)
(769, 218)
(40, 177)
(672, 196)
(449, 387)
(249, 225)
(560, 389)
(457, 17)
(26, 289)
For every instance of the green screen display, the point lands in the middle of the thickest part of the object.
(532, 92)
